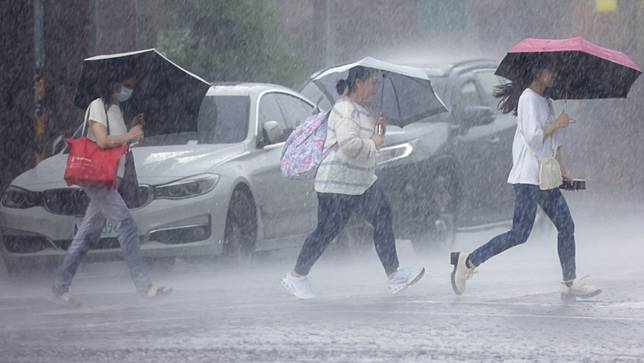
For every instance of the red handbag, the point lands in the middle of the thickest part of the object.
(90, 166)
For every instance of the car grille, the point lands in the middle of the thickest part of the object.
(99, 244)
(68, 201)
(33, 244)
(73, 201)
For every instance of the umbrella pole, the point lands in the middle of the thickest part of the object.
(397, 100)
(572, 120)
(382, 91)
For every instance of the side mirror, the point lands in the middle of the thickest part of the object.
(273, 132)
(58, 144)
(477, 116)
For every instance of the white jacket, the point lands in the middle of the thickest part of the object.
(350, 167)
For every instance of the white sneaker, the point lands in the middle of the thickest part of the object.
(403, 278)
(65, 299)
(461, 272)
(298, 286)
(578, 289)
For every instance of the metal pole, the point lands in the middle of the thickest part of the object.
(329, 51)
(39, 80)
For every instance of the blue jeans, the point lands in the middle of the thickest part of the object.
(334, 211)
(526, 199)
(104, 204)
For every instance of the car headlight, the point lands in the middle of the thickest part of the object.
(187, 187)
(15, 197)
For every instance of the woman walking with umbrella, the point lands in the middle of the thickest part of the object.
(346, 182)
(538, 136)
(106, 126)
(539, 69)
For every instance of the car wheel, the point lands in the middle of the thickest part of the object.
(240, 235)
(440, 218)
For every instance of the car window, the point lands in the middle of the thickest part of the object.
(294, 110)
(488, 82)
(469, 95)
(223, 119)
(313, 93)
(269, 110)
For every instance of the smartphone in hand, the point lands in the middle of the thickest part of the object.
(138, 120)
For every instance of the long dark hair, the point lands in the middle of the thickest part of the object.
(509, 93)
(355, 73)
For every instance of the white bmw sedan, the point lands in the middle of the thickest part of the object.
(216, 190)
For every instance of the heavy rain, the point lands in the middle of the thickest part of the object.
(321, 181)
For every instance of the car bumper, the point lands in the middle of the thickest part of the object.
(167, 228)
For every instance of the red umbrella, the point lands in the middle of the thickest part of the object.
(584, 70)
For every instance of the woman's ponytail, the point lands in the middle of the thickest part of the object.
(341, 86)
(355, 73)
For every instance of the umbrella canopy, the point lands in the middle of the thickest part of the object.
(405, 96)
(169, 96)
(584, 70)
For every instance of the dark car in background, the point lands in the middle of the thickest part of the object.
(447, 171)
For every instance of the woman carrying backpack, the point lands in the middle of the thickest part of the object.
(536, 139)
(346, 182)
(106, 127)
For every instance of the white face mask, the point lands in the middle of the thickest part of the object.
(124, 94)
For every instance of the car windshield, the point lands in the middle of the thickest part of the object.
(222, 120)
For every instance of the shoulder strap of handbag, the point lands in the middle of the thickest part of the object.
(107, 118)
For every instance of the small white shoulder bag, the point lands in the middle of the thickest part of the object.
(549, 169)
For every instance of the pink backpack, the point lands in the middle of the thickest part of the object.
(304, 151)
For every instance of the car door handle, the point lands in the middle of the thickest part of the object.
(495, 140)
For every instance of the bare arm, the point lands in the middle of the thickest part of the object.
(559, 123)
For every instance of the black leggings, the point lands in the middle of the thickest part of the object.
(334, 211)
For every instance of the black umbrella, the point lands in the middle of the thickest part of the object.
(584, 70)
(405, 96)
(169, 95)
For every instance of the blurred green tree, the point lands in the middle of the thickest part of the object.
(226, 41)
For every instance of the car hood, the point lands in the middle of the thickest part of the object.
(154, 164)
